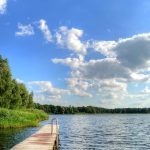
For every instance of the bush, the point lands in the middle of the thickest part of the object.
(21, 118)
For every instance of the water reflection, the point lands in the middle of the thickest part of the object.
(9, 137)
(92, 132)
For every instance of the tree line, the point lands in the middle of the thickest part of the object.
(12, 94)
(87, 109)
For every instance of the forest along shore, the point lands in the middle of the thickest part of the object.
(51, 109)
(16, 102)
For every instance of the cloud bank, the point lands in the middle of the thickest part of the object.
(124, 62)
(119, 64)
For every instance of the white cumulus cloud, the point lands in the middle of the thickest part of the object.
(107, 68)
(25, 30)
(124, 61)
(46, 92)
(71, 62)
(45, 30)
(3, 5)
(104, 47)
(19, 80)
(81, 93)
(70, 39)
(132, 52)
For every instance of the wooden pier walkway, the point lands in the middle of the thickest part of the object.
(44, 139)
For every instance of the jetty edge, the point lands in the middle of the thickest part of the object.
(46, 138)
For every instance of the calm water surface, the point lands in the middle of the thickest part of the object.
(92, 132)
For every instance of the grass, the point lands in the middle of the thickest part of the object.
(21, 118)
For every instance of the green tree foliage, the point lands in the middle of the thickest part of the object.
(88, 110)
(24, 95)
(5, 83)
(30, 102)
(12, 94)
(16, 100)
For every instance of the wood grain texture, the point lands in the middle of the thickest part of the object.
(41, 140)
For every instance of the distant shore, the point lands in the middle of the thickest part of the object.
(52, 109)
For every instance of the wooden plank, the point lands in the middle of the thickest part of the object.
(41, 140)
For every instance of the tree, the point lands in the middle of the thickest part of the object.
(30, 101)
(16, 100)
(12, 94)
(24, 95)
(5, 83)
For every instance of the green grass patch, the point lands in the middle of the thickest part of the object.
(21, 118)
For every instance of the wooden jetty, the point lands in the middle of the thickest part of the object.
(44, 139)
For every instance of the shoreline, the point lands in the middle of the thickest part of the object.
(21, 118)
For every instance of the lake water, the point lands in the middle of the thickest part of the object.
(92, 132)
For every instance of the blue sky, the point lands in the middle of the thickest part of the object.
(73, 52)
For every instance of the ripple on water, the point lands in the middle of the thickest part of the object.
(105, 132)
(93, 132)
